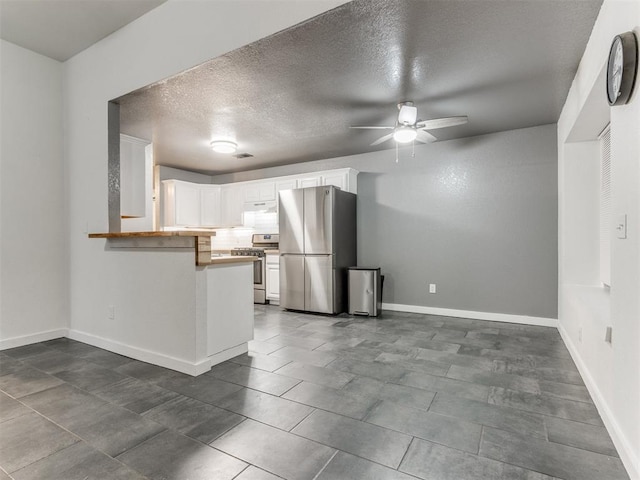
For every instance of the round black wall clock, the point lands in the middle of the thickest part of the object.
(622, 68)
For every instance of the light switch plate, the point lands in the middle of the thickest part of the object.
(621, 226)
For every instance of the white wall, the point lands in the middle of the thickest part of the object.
(611, 371)
(169, 39)
(34, 288)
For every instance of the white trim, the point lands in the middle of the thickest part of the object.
(33, 338)
(183, 366)
(622, 444)
(494, 317)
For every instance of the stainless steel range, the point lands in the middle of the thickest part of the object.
(260, 243)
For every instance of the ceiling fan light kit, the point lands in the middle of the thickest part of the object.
(224, 146)
(404, 134)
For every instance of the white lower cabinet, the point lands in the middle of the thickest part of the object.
(273, 279)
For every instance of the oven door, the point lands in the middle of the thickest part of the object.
(258, 273)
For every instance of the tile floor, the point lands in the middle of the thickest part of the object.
(403, 396)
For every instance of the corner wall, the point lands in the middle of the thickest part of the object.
(586, 308)
(34, 284)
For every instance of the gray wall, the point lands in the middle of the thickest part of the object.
(476, 216)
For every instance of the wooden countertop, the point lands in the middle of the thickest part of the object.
(168, 233)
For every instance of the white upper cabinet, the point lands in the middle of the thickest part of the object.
(134, 177)
(231, 205)
(260, 192)
(210, 207)
(314, 181)
(204, 205)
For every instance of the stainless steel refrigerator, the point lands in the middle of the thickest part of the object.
(317, 245)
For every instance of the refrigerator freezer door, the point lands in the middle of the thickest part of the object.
(291, 221)
(318, 221)
(318, 283)
(292, 281)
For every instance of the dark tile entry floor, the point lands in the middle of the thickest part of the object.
(398, 397)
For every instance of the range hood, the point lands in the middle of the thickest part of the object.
(264, 206)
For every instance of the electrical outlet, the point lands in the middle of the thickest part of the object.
(432, 288)
(111, 312)
(607, 335)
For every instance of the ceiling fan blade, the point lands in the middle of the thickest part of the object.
(425, 137)
(382, 139)
(442, 122)
(376, 127)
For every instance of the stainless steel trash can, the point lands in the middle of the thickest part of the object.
(365, 291)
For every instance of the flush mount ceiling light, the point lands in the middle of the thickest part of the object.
(224, 146)
(404, 134)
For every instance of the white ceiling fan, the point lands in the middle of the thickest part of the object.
(409, 128)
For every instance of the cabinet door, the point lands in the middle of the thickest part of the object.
(210, 206)
(273, 282)
(187, 204)
(251, 193)
(267, 191)
(315, 181)
(134, 177)
(340, 180)
(231, 201)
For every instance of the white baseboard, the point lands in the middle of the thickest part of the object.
(220, 357)
(33, 338)
(495, 317)
(628, 455)
(143, 355)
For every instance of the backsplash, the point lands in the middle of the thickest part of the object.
(254, 222)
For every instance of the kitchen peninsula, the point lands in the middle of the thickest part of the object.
(211, 297)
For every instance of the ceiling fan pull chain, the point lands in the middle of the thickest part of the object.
(413, 149)
(396, 152)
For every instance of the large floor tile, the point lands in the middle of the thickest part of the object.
(305, 342)
(448, 431)
(28, 438)
(390, 392)
(135, 395)
(90, 377)
(265, 408)
(547, 405)
(106, 359)
(336, 401)
(26, 381)
(10, 408)
(26, 351)
(77, 462)
(54, 361)
(148, 372)
(345, 466)
(507, 418)
(253, 378)
(550, 458)
(318, 375)
(365, 440)
(504, 380)
(263, 362)
(171, 456)
(115, 430)
(301, 355)
(430, 461)
(204, 388)
(284, 454)
(379, 370)
(9, 365)
(580, 435)
(193, 418)
(449, 386)
(66, 405)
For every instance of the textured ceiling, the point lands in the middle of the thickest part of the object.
(291, 97)
(61, 28)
